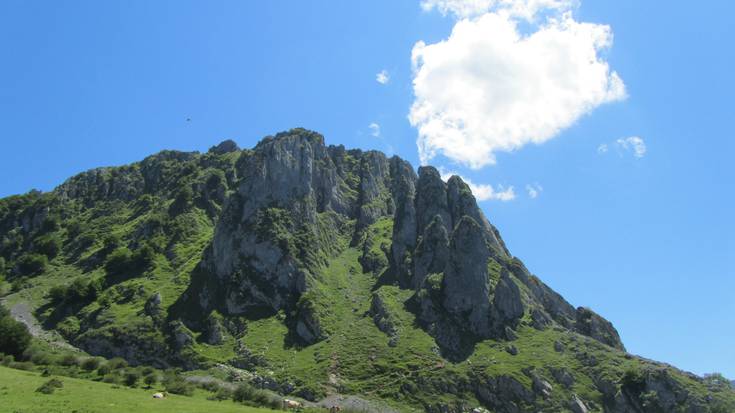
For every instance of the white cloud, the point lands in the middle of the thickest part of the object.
(534, 190)
(374, 129)
(483, 192)
(633, 143)
(527, 9)
(489, 88)
(602, 148)
(383, 77)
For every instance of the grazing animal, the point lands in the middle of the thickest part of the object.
(291, 404)
(335, 409)
(158, 395)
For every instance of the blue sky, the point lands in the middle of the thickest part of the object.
(645, 241)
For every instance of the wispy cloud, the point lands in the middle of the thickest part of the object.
(383, 77)
(534, 190)
(632, 144)
(374, 129)
(483, 192)
(492, 86)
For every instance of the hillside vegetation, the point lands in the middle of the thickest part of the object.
(315, 271)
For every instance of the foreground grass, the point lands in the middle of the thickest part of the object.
(18, 394)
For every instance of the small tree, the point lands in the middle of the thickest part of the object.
(90, 364)
(131, 378)
(150, 380)
(14, 336)
(32, 264)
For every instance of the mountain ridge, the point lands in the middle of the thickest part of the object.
(267, 258)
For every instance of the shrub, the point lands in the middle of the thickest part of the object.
(223, 393)
(7, 360)
(14, 336)
(176, 385)
(110, 378)
(90, 364)
(182, 202)
(119, 261)
(634, 381)
(131, 378)
(22, 365)
(57, 294)
(69, 360)
(32, 264)
(244, 392)
(37, 356)
(48, 245)
(110, 242)
(104, 369)
(50, 386)
(2, 266)
(117, 363)
(144, 256)
(150, 380)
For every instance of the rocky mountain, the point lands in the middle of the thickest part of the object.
(315, 270)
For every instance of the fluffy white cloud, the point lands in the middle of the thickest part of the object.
(534, 190)
(634, 144)
(489, 88)
(383, 77)
(483, 192)
(527, 9)
(602, 148)
(374, 129)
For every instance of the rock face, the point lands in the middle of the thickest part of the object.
(278, 227)
(293, 192)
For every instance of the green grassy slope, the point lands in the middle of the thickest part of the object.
(18, 394)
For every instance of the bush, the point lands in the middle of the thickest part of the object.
(48, 245)
(69, 360)
(14, 336)
(110, 242)
(182, 202)
(50, 224)
(117, 363)
(90, 364)
(22, 365)
(32, 264)
(150, 380)
(50, 386)
(104, 369)
(176, 385)
(110, 378)
(243, 392)
(37, 356)
(119, 261)
(634, 380)
(131, 378)
(2, 266)
(223, 393)
(7, 359)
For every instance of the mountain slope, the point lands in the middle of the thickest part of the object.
(320, 270)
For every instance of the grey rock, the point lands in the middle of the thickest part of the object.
(432, 253)
(562, 376)
(224, 147)
(466, 283)
(383, 319)
(591, 324)
(577, 405)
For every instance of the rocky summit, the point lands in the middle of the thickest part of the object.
(318, 272)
